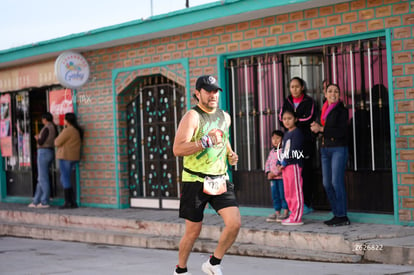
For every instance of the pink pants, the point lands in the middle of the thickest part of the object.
(292, 183)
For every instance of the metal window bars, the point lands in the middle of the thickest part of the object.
(257, 89)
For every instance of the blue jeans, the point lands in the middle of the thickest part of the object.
(278, 194)
(44, 160)
(333, 161)
(66, 167)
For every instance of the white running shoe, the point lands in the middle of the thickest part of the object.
(175, 273)
(211, 269)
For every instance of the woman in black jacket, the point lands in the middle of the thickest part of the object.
(304, 108)
(334, 153)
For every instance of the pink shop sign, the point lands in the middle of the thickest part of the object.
(60, 103)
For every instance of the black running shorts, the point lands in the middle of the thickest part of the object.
(193, 200)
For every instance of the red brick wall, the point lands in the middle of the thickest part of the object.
(203, 47)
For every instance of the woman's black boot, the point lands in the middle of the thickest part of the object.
(70, 201)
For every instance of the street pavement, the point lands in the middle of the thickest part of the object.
(161, 229)
(21, 256)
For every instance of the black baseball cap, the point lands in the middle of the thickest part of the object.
(208, 83)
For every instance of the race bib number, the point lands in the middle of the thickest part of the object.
(215, 186)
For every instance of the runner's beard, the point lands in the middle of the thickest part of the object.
(210, 102)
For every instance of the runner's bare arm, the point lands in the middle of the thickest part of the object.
(183, 146)
(232, 157)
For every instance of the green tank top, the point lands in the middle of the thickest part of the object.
(210, 161)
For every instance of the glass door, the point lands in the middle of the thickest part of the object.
(18, 167)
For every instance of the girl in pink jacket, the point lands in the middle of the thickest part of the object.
(274, 174)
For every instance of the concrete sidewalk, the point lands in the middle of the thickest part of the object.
(162, 229)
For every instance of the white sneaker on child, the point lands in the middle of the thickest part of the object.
(288, 221)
